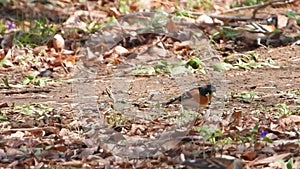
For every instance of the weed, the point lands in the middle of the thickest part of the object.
(40, 34)
(184, 14)
(246, 3)
(32, 79)
(29, 80)
(3, 27)
(6, 63)
(40, 110)
(210, 135)
(249, 61)
(124, 6)
(283, 110)
(251, 136)
(5, 2)
(164, 67)
(246, 97)
(294, 15)
(225, 34)
(3, 119)
(117, 119)
(206, 5)
(289, 164)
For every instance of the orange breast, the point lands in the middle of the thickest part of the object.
(204, 100)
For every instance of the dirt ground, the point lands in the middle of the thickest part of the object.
(273, 86)
(105, 101)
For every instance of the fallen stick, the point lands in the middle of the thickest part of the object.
(23, 91)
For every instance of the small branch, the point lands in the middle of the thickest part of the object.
(23, 91)
(259, 7)
(241, 8)
(224, 17)
(35, 129)
(255, 7)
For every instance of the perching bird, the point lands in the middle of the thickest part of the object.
(259, 31)
(197, 97)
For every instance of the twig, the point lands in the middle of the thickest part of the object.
(29, 129)
(259, 6)
(23, 91)
(225, 17)
(255, 7)
(267, 4)
(241, 8)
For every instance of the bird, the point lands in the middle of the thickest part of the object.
(259, 32)
(199, 96)
(46, 73)
(58, 42)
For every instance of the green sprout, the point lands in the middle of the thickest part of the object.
(210, 135)
(284, 110)
(34, 109)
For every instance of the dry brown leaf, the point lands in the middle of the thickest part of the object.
(171, 27)
(297, 162)
(39, 50)
(291, 147)
(17, 134)
(258, 146)
(120, 50)
(13, 152)
(115, 12)
(2, 154)
(116, 137)
(2, 54)
(249, 155)
(7, 41)
(235, 118)
(61, 148)
(282, 21)
(268, 150)
(137, 129)
(72, 163)
(215, 163)
(37, 132)
(64, 132)
(272, 159)
(204, 19)
(3, 105)
(291, 119)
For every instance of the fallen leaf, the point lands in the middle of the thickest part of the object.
(291, 119)
(13, 152)
(249, 155)
(3, 105)
(171, 27)
(205, 19)
(116, 137)
(17, 134)
(272, 159)
(120, 50)
(2, 54)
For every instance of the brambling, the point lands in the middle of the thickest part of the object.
(199, 96)
(259, 31)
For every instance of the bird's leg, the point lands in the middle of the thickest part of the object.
(260, 44)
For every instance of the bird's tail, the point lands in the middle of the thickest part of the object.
(171, 101)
